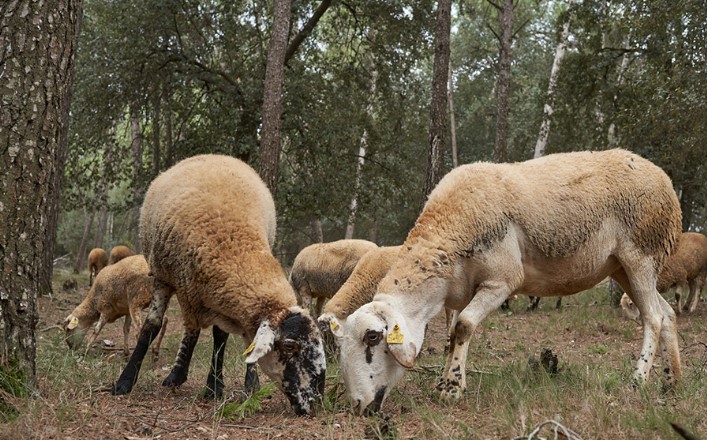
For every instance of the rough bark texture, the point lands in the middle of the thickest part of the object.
(272, 95)
(136, 143)
(560, 51)
(438, 108)
(82, 252)
(452, 122)
(503, 84)
(156, 129)
(37, 46)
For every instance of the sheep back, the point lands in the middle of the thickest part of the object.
(322, 268)
(360, 287)
(206, 228)
(687, 262)
(560, 201)
(118, 253)
(97, 260)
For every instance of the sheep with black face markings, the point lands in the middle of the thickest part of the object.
(207, 226)
(320, 269)
(121, 289)
(558, 224)
(685, 270)
(97, 260)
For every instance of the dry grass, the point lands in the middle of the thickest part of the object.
(505, 398)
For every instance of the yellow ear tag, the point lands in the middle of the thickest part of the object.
(249, 349)
(333, 325)
(73, 323)
(395, 337)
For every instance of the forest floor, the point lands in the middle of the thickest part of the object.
(505, 398)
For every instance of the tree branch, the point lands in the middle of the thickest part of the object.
(495, 5)
(307, 29)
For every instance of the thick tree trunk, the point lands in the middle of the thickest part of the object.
(37, 46)
(503, 84)
(438, 107)
(272, 96)
(136, 141)
(560, 51)
(317, 233)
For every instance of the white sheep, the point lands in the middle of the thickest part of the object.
(320, 269)
(97, 260)
(558, 224)
(207, 226)
(121, 289)
(685, 270)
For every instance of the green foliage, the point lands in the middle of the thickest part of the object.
(249, 406)
(13, 384)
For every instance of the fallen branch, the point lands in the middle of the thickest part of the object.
(565, 431)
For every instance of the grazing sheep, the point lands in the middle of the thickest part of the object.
(207, 226)
(684, 270)
(320, 269)
(559, 224)
(121, 289)
(97, 260)
(118, 253)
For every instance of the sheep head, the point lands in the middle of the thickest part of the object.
(74, 331)
(292, 355)
(379, 344)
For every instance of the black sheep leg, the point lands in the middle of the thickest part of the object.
(180, 371)
(214, 382)
(161, 293)
(252, 384)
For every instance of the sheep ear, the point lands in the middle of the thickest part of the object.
(403, 350)
(336, 328)
(262, 344)
(73, 322)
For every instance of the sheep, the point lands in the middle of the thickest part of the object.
(207, 226)
(559, 224)
(121, 289)
(360, 287)
(320, 269)
(118, 253)
(684, 270)
(97, 260)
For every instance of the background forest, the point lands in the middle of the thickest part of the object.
(160, 80)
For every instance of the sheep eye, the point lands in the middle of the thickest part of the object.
(289, 346)
(373, 337)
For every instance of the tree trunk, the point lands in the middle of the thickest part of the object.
(168, 137)
(611, 136)
(156, 148)
(560, 51)
(136, 141)
(317, 233)
(37, 46)
(363, 145)
(503, 84)
(306, 29)
(82, 252)
(438, 107)
(452, 123)
(272, 96)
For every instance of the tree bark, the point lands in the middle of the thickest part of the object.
(317, 233)
(503, 83)
(438, 107)
(306, 29)
(452, 122)
(560, 51)
(272, 96)
(37, 46)
(136, 143)
(156, 129)
(82, 251)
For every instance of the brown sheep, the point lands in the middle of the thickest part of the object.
(118, 253)
(207, 226)
(684, 270)
(97, 260)
(320, 269)
(560, 224)
(121, 289)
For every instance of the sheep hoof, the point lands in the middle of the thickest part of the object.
(121, 388)
(450, 390)
(208, 393)
(174, 380)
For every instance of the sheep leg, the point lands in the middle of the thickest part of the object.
(180, 370)
(669, 344)
(252, 383)
(693, 298)
(214, 382)
(451, 316)
(641, 289)
(487, 299)
(318, 306)
(126, 334)
(158, 343)
(307, 301)
(161, 294)
(533, 302)
(99, 326)
(678, 298)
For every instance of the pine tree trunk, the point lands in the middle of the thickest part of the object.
(317, 233)
(438, 107)
(272, 96)
(82, 252)
(136, 141)
(503, 84)
(37, 46)
(156, 148)
(560, 51)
